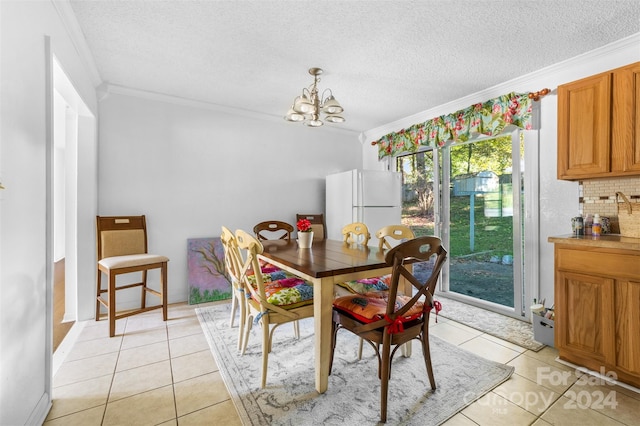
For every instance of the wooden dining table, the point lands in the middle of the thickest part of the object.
(326, 263)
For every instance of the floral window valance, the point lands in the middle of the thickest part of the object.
(488, 118)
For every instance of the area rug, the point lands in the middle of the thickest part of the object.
(501, 326)
(353, 395)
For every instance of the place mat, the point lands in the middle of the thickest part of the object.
(353, 395)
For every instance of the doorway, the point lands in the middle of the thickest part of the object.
(73, 202)
(472, 196)
(60, 326)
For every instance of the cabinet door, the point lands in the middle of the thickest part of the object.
(584, 316)
(584, 116)
(627, 306)
(625, 141)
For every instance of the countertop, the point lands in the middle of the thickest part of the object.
(613, 241)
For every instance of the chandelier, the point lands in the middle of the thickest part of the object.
(308, 106)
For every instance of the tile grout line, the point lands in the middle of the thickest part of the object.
(113, 374)
(173, 381)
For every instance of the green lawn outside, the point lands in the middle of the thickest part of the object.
(478, 273)
(493, 235)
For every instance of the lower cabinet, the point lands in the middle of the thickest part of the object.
(597, 309)
(627, 333)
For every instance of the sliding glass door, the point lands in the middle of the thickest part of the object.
(471, 195)
(421, 198)
(421, 191)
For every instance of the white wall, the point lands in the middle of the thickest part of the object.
(24, 301)
(558, 199)
(191, 170)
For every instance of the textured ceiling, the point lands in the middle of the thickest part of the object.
(383, 60)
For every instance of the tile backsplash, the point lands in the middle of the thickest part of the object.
(599, 196)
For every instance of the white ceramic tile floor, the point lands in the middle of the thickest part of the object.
(160, 373)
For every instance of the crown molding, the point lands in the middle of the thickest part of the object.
(107, 89)
(625, 51)
(70, 22)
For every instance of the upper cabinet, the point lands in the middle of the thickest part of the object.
(599, 125)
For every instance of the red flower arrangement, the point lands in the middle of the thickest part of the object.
(304, 225)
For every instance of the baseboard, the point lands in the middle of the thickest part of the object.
(68, 318)
(598, 375)
(41, 410)
(65, 346)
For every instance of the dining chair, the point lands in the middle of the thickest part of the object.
(387, 234)
(388, 320)
(233, 261)
(356, 233)
(272, 302)
(317, 224)
(122, 249)
(273, 230)
(232, 265)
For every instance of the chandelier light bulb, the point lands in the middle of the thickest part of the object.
(294, 116)
(302, 105)
(331, 106)
(334, 119)
(313, 123)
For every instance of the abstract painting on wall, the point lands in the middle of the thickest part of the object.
(208, 280)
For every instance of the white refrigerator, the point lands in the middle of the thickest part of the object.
(372, 197)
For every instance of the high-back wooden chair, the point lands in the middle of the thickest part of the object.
(271, 303)
(387, 234)
(356, 233)
(273, 230)
(232, 263)
(317, 224)
(122, 249)
(387, 320)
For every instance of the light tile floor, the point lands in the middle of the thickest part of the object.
(160, 373)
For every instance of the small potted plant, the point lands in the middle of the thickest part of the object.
(305, 233)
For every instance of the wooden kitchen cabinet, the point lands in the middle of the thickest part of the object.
(579, 297)
(599, 125)
(626, 120)
(597, 308)
(627, 306)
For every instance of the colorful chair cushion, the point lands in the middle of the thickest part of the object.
(367, 285)
(372, 306)
(288, 293)
(269, 276)
(267, 267)
(269, 273)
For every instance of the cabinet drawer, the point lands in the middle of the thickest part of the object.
(598, 263)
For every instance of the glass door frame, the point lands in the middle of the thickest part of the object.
(526, 242)
(521, 288)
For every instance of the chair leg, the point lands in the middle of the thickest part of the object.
(266, 347)
(247, 328)
(112, 304)
(143, 291)
(334, 332)
(242, 319)
(296, 330)
(98, 294)
(427, 359)
(164, 295)
(360, 349)
(234, 305)
(385, 372)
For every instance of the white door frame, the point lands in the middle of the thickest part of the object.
(525, 272)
